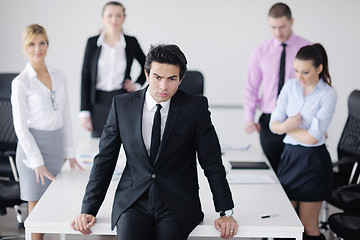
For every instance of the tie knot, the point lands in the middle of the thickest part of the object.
(158, 106)
(283, 45)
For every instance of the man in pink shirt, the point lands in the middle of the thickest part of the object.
(271, 64)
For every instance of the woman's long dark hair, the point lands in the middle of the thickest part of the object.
(317, 54)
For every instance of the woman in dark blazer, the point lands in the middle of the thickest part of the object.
(106, 68)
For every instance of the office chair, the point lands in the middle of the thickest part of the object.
(346, 224)
(348, 150)
(349, 157)
(10, 198)
(8, 140)
(193, 82)
(9, 185)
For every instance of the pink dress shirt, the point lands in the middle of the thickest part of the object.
(264, 69)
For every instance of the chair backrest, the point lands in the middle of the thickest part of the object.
(8, 138)
(349, 143)
(8, 141)
(5, 84)
(193, 82)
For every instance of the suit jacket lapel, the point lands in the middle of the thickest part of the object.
(94, 68)
(128, 56)
(137, 115)
(170, 122)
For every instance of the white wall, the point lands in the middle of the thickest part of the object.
(216, 36)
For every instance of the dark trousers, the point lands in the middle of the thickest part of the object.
(145, 220)
(100, 110)
(272, 144)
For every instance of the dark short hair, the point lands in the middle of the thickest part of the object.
(317, 54)
(113, 3)
(279, 10)
(170, 54)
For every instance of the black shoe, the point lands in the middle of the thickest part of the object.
(319, 237)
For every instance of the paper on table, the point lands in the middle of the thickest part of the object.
(238, 179)
(86, 158)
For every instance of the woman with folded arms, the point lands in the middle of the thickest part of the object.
(303, 112)
(106, 69)
(41, 120)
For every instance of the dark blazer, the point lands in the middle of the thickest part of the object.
(188, 130)
(90, 65)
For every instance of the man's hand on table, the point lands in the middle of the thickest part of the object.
(227, 226)
(83, 223)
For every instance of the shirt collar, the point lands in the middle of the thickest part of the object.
(31, 71)
(151, 103)
(290, 41)
(321, 84)
(101, 41)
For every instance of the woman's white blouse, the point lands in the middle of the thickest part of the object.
(34, 107)
(111, 64)
(316, 109)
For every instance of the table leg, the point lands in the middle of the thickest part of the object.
(299, 236)
(28, 234)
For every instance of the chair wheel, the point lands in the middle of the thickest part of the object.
(323, 226)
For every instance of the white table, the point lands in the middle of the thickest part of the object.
(62, 202)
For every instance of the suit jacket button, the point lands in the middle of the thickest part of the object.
(153, 176)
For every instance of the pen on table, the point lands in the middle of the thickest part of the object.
(265, 216)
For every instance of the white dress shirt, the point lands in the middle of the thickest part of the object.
(111, 65)
(33, 107)
(148, 118)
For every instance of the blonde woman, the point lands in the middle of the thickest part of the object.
(41, 119)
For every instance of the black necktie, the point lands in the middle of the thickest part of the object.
(282, 68)
(155, 134)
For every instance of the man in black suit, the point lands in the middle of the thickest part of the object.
(158, 194)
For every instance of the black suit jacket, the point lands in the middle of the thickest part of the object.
(188, 130)
(90, 65)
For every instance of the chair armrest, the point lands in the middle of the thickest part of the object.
(11, 157)
(346, 160)
(10, 153)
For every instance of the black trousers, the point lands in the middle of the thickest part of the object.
(272, 144)
(100, 110)
(145, 220)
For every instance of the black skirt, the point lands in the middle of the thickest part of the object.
(100, 110)
(306, 173)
